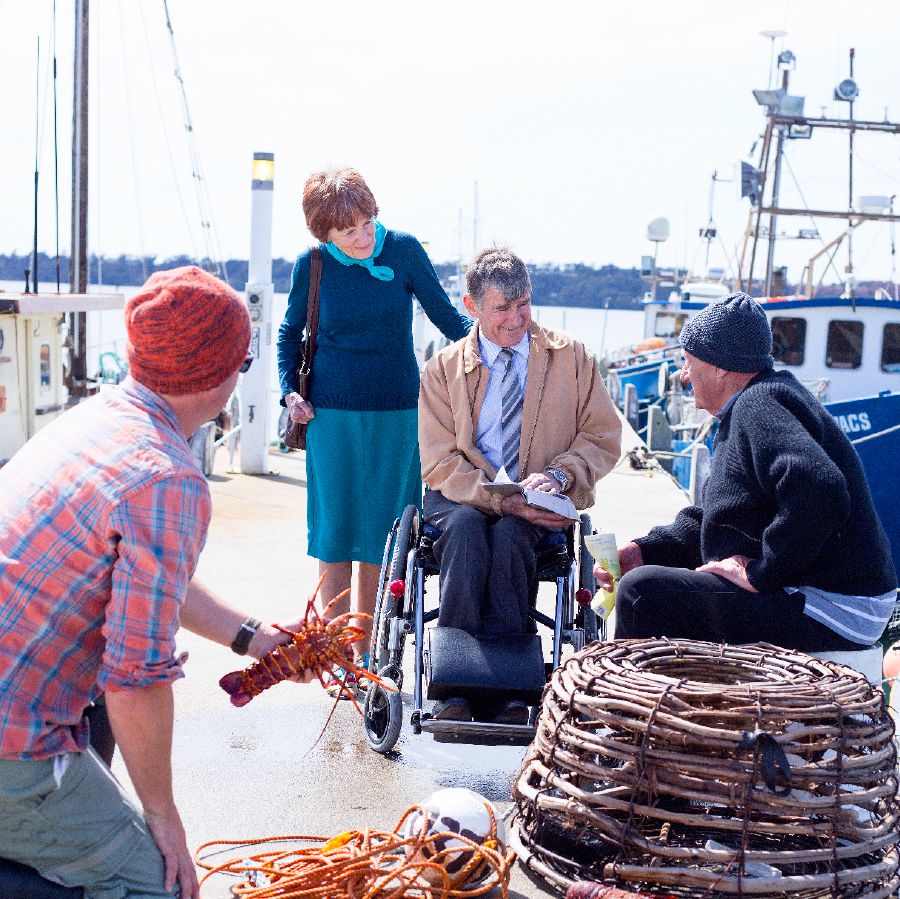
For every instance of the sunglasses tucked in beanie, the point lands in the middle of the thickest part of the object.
(187, 331)
(733, 334)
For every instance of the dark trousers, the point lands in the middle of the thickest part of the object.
(655, 601)
(488, 567)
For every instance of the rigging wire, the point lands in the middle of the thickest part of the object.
(875, 166)
(730, 268)
(40, 112)
(166, 139)
(812, 218)
(893, 231)
(55, 145)
(95, 180)
(211, 240)
(861, 263)
(132, 149)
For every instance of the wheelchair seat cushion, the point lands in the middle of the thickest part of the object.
(459, 664)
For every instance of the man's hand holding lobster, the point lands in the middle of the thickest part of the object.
(268, 637)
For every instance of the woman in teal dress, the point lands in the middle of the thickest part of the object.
(362, 454)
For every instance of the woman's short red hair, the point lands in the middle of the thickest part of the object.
(336, 199)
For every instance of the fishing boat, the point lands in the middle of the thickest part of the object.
(845, 348)
(36, 367)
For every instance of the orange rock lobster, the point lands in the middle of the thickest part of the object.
(318, 646)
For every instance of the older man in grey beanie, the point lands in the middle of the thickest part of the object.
(786, 546)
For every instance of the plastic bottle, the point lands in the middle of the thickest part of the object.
(603, 548)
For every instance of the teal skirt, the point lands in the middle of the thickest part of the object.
(362, 469)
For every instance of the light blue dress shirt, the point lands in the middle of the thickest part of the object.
(489, 438)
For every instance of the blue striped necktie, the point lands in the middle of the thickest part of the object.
(511, 421)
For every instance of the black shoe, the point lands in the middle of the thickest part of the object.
(513, 712)
(454, 709)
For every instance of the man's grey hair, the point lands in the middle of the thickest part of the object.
(501, 269)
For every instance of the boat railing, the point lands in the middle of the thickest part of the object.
(624, 358)
(818, 387)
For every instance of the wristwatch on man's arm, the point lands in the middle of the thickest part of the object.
(559, 476)
(246, 633)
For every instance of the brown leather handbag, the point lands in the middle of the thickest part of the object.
(294, 434)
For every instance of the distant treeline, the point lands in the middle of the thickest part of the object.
(566, 285)
(570, 285)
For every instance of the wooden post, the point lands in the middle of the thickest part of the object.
(631, 406)
(659, 434)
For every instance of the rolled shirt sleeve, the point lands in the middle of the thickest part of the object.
(160, 530)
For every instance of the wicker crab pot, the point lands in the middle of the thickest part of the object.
(681, 768)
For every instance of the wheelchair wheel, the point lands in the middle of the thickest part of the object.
(587, 617)
(389, 607)
(383, 716)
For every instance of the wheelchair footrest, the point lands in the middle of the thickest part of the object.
(481, 667)
(481, 733)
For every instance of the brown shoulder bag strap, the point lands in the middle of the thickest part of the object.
(312, 302)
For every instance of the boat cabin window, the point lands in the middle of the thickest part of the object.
(789, 340)
(844, 347)
(669, 324)
(890, 349)
(45, 367)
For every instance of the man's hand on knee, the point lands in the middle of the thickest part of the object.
(516, 505)
(733, 569)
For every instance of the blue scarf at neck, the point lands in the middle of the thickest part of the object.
(381, 272)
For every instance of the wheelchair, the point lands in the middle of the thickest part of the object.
(450, 662)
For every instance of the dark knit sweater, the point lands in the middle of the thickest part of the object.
(787, 489)
(365, 358)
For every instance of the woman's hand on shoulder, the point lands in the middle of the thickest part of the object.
(298, 408)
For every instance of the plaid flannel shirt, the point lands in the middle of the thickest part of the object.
(102, 518)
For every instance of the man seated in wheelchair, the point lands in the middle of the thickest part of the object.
(511, 394)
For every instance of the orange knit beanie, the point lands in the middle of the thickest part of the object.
(187, 331)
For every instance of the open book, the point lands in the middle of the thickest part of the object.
(551, 502)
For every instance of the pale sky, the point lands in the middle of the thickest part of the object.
(579, 121)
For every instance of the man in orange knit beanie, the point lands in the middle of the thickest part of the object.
(111, 494)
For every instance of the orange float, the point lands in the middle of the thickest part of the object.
(651, 343)
(891, 666)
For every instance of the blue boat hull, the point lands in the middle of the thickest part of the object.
(867, 422)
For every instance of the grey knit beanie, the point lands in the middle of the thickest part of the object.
(733, 333)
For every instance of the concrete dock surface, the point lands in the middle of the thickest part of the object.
(264, 770)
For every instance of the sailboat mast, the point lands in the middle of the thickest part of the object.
(776, 185)
(37, 118)
(78, 259)
(851, 291)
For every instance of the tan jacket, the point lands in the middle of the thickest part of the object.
(568, 420)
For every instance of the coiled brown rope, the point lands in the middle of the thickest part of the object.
(366, 864)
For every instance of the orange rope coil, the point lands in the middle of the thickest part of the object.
(366, 864)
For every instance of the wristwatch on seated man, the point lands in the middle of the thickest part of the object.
(559, 476)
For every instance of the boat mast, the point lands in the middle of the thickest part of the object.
(776, 185)
(754, 211)
(37, 120)
(78, 259)
(850, 286)
(763, 168)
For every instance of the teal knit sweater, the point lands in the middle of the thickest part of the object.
(365, 359)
